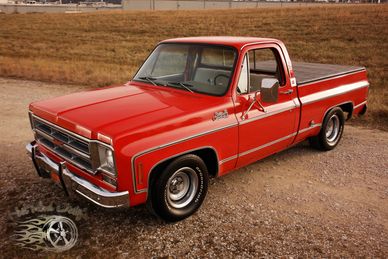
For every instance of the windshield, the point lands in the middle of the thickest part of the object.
(190, 67)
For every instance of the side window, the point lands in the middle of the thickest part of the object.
(242, 86)
(264, 63)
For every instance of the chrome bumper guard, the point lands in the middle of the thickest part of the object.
(74, 184)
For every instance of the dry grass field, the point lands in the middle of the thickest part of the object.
(106, 48)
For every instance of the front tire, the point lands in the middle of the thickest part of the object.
(180, 189)
(331, 131)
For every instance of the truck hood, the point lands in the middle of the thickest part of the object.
(110, 113)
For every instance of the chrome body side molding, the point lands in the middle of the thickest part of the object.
(282, 108)
(268, 144)
(360, 104)
(322, 95)
(133, 160)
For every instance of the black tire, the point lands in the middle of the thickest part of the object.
(331, 131)
(168, 187)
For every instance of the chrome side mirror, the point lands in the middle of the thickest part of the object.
(269, 90)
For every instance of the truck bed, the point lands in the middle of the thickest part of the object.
(310, 72)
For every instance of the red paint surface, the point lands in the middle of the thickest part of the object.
(139, 117)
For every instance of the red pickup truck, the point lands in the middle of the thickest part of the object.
(197, 108)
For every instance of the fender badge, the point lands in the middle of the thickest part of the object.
(220, 115)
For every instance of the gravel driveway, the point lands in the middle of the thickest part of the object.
(299, 202)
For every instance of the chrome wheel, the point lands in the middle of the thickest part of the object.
(331, 132)
(182, 187)
(333, 129)
(61, 233)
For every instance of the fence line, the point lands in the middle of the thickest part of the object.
(155, 5)
(208, 4)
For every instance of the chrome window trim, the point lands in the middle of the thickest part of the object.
(245, 60)
(257, 42)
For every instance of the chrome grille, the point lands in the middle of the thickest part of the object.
(63, 143)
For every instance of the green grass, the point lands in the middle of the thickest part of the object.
(104, 48)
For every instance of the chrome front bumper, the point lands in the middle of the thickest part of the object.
(71, 183)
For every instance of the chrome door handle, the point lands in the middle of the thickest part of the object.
(290, 91)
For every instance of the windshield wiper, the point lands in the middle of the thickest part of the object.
(183, 85)
(149, 79)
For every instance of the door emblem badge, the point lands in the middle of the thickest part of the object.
(220, 115)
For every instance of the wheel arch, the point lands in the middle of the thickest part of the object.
(345, 106)
(363, 110)
(320, 141)
(208, 154)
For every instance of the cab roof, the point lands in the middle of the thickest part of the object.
(237, 42)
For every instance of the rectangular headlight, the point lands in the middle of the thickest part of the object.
(107, 162)
(103, 159)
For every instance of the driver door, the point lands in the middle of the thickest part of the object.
(264, 128)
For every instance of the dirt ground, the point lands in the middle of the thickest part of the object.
(299, 202)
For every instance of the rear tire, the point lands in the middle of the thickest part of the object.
(331, 131)
(180, 189)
